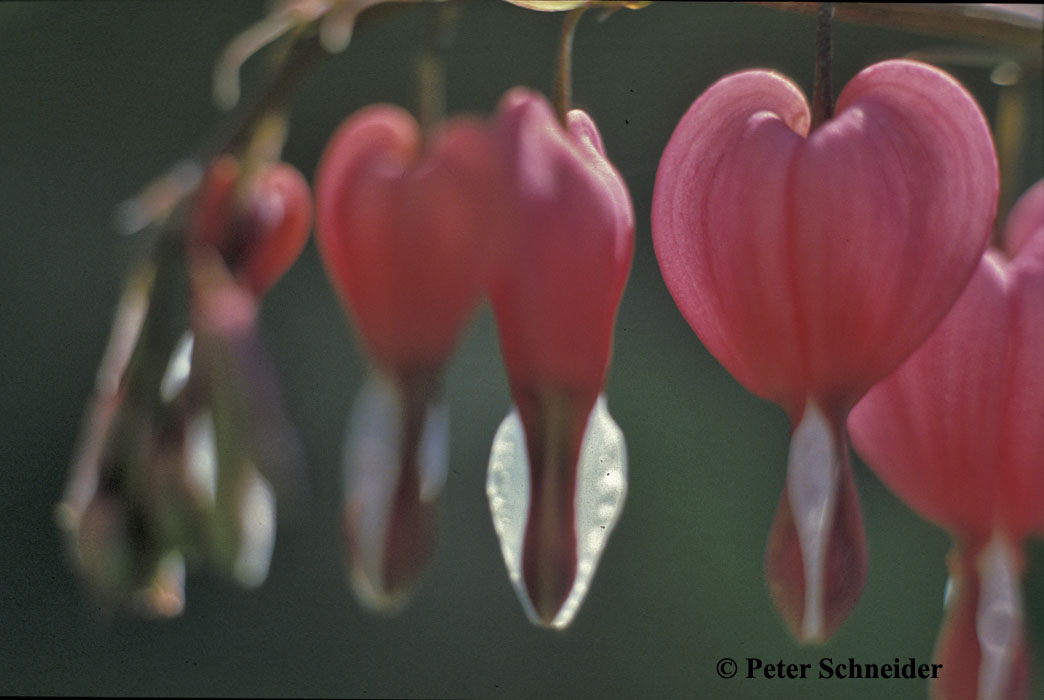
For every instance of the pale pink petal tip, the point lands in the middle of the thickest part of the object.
(816, 559)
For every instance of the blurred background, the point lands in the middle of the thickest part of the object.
(98, 98)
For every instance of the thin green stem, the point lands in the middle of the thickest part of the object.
(1009, 127)
(563, 96)
(431, 64)
(822, 83)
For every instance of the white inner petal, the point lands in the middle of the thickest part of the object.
(813, 476)
(433, 451)
(948, 592)
(371, 473)
(257, 517)
(177, 371)
(373, 467)
(998, 622)
(507, 488)
(202, 455)
(600, 492)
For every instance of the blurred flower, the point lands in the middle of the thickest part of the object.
(958, 433)
(557, 474)
(258, 224)
(811, 265)
(405, 232)
(335, 20)
(186, 407)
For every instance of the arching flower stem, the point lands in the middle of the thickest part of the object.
(563, 93)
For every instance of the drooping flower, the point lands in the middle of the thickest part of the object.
(811, 264)
(958, 433)
(406, 234)
(557, 475)
(186, 414)
(251, 220)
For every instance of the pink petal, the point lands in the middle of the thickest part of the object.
(931, 430)
(1022, 425)
(719, 227)
(405, 236)
(813, 267)
(958, 430)
(555, 298)
(1025, 220)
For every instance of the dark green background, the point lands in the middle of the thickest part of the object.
(97, 98)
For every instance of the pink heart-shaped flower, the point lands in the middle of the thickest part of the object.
(958, 433)
(812, 264)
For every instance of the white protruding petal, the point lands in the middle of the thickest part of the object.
(257, 517)
(998, 622)
(813, 478)
(371, 470)
(507, 488)
(433, 452)
(202, 455)
(177, 372)
(601, 487)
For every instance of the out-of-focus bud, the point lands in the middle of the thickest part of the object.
(258, 222)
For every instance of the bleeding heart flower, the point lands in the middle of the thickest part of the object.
(958, 433)
(258, 224)
(405, 232)
(186, 429)
(811, 265)
(557, 474)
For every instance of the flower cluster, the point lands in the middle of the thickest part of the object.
(186, 430)
(836, 265)
(413, 231)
